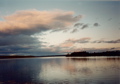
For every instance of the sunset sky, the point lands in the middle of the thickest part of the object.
(49, 27)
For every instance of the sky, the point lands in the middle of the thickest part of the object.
(50, 27)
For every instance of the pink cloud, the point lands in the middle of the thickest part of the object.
(37, 21)
(70, 42)
(66, 44)
(81, 40)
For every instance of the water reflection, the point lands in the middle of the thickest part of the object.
(60, 71)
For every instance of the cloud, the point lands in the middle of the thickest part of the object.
(68, 48)
(66, 44)
(18, 40)
(74, 30)
(71, 42)
(25, 50)
(15, 48)
(109, 19)
(66, 30)
(110, 41)
(29, 22)
(75, 49)
(84, 40)
(84, 26)
(78, 25)
(69, 45)
(19, 44)
(96, 24)
(86, 71)
(18, 29)
(113, 41)
(81, 40)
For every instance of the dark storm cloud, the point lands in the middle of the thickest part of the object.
(19, 44)
(96, 24)
(36, 49)
(13, 48)
(18, 39)
(25, 50)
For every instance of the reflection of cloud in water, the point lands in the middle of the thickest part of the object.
(60, 71)
(70, 68)
(86, 71)
(52, 73)
(79, 71)
(64, 72)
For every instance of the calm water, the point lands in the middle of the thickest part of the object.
(60, 70)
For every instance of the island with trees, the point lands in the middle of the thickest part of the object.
(84, 53)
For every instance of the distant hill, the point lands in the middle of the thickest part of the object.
(84, 53)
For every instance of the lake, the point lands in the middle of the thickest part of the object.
(60, 70)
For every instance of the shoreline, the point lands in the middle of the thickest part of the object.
(14, 57)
